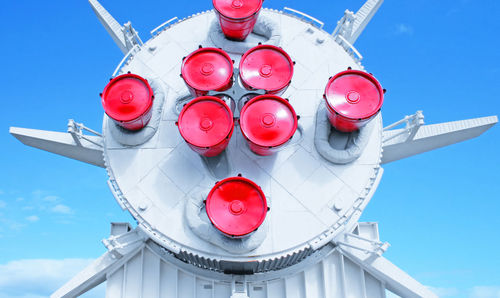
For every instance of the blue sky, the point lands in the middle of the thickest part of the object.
(439, 210)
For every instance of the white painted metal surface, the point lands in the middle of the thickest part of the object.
(406, 142)
(163, 173)
(313, 245)
(351, 25)
(114, 29)
(88, 149)
(138, 267)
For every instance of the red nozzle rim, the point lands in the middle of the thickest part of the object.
(201, 50)
(365, 75)
(248, 15)
(139, 112)
(274, 48)
(280, 100)
(214, 142)
(216, 213)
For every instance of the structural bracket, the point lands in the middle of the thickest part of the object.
(368, 246)
(351, 25)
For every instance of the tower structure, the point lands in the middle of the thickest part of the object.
(310, 243)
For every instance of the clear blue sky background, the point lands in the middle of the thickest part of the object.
(440, 210)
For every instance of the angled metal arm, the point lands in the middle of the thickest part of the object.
(416, 138)
(73, 144)
(363, 17)
(398, 281)
(125, 37)
(114, 29)
(120, 249)
(365, 249)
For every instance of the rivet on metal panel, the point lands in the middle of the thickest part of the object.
(339, 204)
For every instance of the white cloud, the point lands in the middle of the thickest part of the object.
(11, 224)
(444, 292)
(1, 192)
(2, 204)
(20, 199)
(485, 292)
(51, 198)
(404, 29)
(38, 277)
(62, 209)
(37, 192)
(32, 218)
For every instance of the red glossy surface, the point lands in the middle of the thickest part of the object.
(236, 30)
(207, 69)
(266, 67)
(206, 124)
(236, 206)
(237, 9)
(127, 99)
(237, 17)
(345, 124)
(267, 123)
(352, 98)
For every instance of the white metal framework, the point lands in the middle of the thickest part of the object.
(135, 266)
(158, 179)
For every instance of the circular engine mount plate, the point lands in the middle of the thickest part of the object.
(311, 200)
